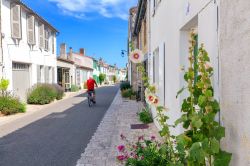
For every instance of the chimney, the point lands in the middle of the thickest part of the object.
(82, 51)
(70, 53)
(63, 51)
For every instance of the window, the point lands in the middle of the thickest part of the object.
(31, 30)
(41, 36)
(15, 13)
(46, 40)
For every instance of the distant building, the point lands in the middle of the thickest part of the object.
(84, 66)
(65, 69)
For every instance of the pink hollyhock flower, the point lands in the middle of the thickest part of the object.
(152, 138)
(121, 157)
(121, 148)
(136, 56)
(208, 65)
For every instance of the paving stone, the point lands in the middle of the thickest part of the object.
(101, 150)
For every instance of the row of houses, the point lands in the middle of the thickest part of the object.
(161, 29)
(28, 53)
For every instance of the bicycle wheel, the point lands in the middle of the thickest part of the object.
(89, 101)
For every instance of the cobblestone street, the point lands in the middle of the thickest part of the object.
(102, 151)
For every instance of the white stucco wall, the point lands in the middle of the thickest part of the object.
(170, 25)
(235, 78)
(22, 52)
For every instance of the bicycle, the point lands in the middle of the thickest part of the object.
(91, 100)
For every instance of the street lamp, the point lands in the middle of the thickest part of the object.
(123, 52)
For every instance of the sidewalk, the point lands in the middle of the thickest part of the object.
(35, 108)
(102, 148)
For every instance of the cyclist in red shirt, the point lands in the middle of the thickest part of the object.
(91, 86)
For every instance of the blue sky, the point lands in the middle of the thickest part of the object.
(99, 26)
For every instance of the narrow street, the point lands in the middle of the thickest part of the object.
(59, 138)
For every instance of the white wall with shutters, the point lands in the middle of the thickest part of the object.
(16, 32)
(31, 30)
(20, 50)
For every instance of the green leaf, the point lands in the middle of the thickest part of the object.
(201, 100)
(215, 146)
(181, 120)
(206, 57)
(197, 154)
(216, 106)
(186, 76)
(222, 158)
(196, 121)
(163, 149)
(185, 106)
(160, 108)
(205, 145)
(208, 93)
(180, 91)
(183, 140)
(218, 132)
(164, 131)
(208, 117)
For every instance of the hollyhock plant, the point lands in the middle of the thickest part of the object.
(145, 151)
(136, 56)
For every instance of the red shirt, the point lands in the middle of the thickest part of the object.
(91, 84)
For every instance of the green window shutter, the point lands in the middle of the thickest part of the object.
(196, 52)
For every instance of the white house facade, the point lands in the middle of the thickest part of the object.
(170, 25)
(225, 36)
(29, 47)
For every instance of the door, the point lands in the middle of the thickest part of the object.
(21, 80)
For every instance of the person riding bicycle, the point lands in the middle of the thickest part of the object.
(91, 87)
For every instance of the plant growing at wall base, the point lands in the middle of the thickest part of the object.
(11, 105)
(102, 77)
(125, 85)
(201, 140)
(42, 94)
(145, 152)
(4, 86)
(114, 79)
(74, 88)
(145, 116)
